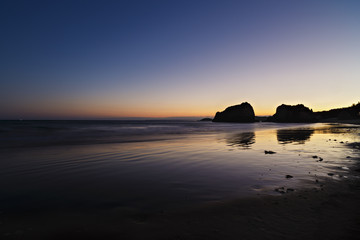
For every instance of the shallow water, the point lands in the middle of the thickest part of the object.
(153, 165)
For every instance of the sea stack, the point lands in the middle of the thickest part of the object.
(242, 113)
(293, 114)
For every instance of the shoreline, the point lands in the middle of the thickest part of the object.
(352, 121)
(325, 207)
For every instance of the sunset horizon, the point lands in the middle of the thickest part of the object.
(179, 119)
(84, 114)
(176, 58)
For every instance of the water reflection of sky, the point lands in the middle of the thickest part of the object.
(188, 169)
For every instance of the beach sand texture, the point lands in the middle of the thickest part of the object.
(211, 184)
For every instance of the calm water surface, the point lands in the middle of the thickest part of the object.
(86, 165)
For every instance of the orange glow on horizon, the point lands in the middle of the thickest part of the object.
(111, 113)
(106, 111)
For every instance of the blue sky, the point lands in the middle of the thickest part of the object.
(105, 59)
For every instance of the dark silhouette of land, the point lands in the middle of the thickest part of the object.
(242, 113)
(206, 120)
(294, 114)
(301, 113)
(340, 114)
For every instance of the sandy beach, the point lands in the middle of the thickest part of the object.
(180, 120)
(330, 212)
(299, 182)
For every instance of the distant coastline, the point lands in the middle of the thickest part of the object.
(289, 114)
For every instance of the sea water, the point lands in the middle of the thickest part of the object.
(87, 165)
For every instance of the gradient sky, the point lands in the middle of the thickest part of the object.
(105, 59)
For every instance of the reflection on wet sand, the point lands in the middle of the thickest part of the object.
(336, 129)
(241, 140)
(140, 183)
(300, 136)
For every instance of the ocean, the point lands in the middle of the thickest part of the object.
(89, 166)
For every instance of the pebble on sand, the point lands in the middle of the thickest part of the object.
(283, 190)
(269, 152)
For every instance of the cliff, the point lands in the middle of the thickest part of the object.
(242, 113)
(293, 114)
(346, 113)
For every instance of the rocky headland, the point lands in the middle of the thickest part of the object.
(345, 114)
(242, 113)
(293, 114)
(205, 120)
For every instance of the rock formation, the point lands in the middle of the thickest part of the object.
(242, 113)
(206, 120)
(352, 112)
(295, 114)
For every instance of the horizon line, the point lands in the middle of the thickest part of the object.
(113, 118)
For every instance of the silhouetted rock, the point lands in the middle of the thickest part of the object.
(346, 113)
(269, 152)
(243, 113)
(206, 120)
(295, 113)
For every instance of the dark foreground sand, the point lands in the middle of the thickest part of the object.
(331, 211)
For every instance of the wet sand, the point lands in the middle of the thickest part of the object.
(325, 208)
(329, 212)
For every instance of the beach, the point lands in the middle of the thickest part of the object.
(180, 180)
(180, 120)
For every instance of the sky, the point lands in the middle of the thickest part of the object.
(114, 59)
